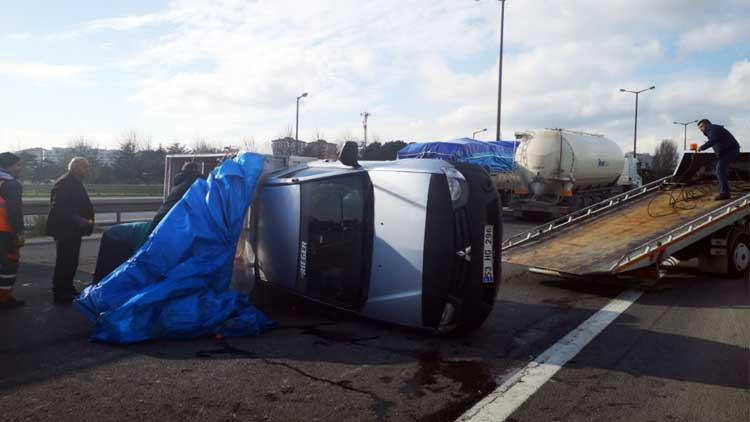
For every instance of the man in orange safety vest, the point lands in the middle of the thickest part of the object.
(11, 227)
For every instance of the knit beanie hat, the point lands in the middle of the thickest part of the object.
(7, 159)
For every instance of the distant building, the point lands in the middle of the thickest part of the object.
(321, 149)
(284, 147)
(37, 153)
(41, 154)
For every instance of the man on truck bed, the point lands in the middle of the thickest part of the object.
(726, 147)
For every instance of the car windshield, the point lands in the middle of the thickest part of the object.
(337, 232)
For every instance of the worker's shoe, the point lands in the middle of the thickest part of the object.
(722, 196)
(11, 303)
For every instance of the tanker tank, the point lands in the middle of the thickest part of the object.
(556, 163)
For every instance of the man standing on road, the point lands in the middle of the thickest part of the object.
(71, 216)
(11, 227)
(726, 147)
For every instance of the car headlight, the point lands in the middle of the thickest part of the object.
(457, 186)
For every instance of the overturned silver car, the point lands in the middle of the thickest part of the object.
(411, 242)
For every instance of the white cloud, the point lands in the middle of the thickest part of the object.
(126, 23)
(714, 36)
(41, 72)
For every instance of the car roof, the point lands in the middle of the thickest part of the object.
(328, 168)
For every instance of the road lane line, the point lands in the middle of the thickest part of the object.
(509, 396)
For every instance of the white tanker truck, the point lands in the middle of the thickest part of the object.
(560, 171)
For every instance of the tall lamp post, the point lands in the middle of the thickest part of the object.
(685, 125)
(635, 127)
(365, 115)
(296, 126)
(474, 134)
(500, 71)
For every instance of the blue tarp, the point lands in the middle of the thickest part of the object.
(495, 156)
(506, 148)
(177, 284)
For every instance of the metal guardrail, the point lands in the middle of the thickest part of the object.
(40, 206)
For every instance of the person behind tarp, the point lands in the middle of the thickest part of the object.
(180, 184)
(119, 242)
(71, 216)
(726, 147)
(11, 227)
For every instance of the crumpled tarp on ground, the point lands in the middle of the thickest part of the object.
(495, 156)
(177, 284)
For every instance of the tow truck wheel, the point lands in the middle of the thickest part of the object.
(739, 255)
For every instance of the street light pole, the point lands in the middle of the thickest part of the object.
(474, 134)
(296, 126)
(685, 125)
(500, 71)
(364, 115)
(635, 126)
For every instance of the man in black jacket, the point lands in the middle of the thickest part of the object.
(726, 147)
(11, 227)
(71, 216)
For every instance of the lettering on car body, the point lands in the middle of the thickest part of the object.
(303, 259)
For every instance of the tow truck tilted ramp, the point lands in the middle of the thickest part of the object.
(633, 233)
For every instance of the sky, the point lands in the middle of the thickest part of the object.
(229, 71)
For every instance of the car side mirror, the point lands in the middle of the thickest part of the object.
(348, 154)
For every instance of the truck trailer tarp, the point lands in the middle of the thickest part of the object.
(176, 285)
(495, 156)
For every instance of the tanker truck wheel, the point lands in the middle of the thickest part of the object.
(578, 203)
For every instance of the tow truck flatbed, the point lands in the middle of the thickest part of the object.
(640, 228)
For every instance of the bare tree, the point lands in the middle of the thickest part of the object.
(82, 147)
(319, 135)
(346, 137)
(249, 144)
(202, 146)
(131, 137)
(288, 132)
(177, 148)
(665, 158)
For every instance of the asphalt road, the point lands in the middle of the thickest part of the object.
(680, 353)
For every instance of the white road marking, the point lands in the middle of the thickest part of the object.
(509, 396)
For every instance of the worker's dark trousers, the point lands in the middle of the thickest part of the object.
(66, 264)
(8, 264)
(722, 169)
